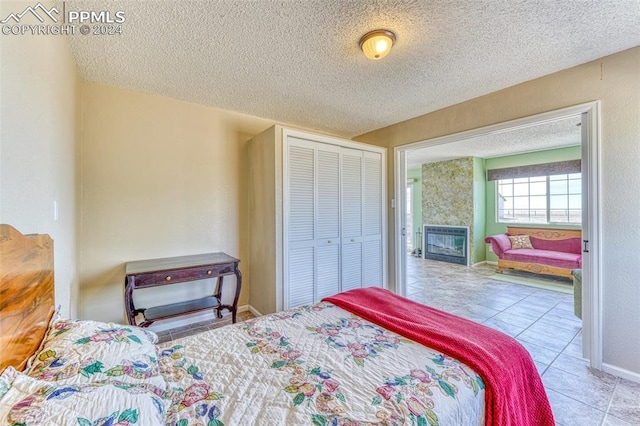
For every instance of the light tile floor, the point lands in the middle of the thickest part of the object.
(543, 321)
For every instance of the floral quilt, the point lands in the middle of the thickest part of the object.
(317, 365)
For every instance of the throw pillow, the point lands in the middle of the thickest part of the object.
(520, 242)
(27, 401)
(75, 352)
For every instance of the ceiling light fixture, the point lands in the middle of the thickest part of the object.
(377, 44)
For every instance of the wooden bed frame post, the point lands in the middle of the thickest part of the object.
(26, 294)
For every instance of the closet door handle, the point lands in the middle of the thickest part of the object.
(353, 240)
(329, 241)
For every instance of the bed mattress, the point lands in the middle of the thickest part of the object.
(318, 365)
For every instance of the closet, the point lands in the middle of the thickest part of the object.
(317, 218)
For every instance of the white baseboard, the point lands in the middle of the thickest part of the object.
(621, 372)
(254, 311)
(475, 265)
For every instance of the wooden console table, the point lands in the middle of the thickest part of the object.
(173, 270)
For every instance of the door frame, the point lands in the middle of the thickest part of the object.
(591, 207)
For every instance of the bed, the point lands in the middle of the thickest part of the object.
(362, 357)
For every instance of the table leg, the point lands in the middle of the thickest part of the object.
(218, 295)
(238, 287)
(128, 301)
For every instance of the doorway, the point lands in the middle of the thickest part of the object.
(590, 156)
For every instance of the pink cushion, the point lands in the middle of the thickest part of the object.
(499, 243)
(568, 245)
(558, 259)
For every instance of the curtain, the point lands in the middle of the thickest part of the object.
(533, 170)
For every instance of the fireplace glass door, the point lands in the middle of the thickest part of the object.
(448, 244)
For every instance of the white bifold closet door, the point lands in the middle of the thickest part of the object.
(333, 222)
(372, 221)
(301, 255)
(328, 220)
(352, 169)
(314, 221)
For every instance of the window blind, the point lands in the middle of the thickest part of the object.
(533, 170)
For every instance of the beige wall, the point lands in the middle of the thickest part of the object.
(37, 147)
(160, 177)
(615, 80)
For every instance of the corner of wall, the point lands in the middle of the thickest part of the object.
(39, 148)
(78, 128)
(479, 209)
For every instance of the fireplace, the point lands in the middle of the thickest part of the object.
(446, 243)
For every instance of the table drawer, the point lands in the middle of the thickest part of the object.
(181, 275)
(145, 280)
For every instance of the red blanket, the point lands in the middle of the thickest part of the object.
(514, 394)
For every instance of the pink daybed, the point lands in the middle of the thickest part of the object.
(554, 252)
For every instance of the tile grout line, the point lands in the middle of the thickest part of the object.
(615, 386)
(558, 356)
(574, 375)
(560, 352)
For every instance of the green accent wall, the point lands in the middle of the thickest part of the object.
(417, 199)
(479, 210)
(492, 226)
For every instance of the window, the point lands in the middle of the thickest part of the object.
(543, 199)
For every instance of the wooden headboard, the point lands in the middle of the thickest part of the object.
(545, 233)
(26, 294)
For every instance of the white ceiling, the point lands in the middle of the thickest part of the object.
(557, 134)
(298, 62)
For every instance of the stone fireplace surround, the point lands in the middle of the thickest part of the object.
(450, 196)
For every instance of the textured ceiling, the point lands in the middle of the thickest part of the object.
(298, 62)
(561, 133)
